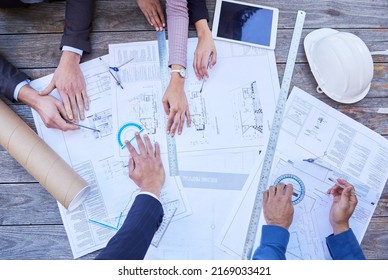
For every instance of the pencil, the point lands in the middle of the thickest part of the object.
(336, 183)
(208, 64)
(83, 126)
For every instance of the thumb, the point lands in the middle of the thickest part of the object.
(48, 89)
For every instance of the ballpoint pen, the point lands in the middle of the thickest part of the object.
(207, 67)
(83, 126)
(319, 162)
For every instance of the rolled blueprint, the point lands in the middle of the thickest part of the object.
(44, 164)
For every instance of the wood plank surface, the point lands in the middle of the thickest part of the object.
(30, 223)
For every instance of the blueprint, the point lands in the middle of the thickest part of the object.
(90, 153)
(342, 148)
(231, 116)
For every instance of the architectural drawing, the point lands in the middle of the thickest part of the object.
(338, 145)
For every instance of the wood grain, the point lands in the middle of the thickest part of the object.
(30, 223)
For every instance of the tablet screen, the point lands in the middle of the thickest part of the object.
(245, 23)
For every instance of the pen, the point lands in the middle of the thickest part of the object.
(336, 183)
(207, 67)
(80, 125)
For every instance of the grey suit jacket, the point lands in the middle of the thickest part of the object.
(78, 21)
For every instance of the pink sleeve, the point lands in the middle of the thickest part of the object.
(177, 27)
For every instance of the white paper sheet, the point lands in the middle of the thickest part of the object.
(349, 150)
(234, 110)
(90, 153)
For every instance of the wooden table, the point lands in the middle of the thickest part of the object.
(30, 224)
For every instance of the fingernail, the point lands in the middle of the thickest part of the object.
(71, 117)
(137, 133)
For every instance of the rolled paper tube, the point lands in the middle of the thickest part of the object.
(42, 162)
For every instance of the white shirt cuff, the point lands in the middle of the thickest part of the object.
(18, 87)
(74, 50)
(151, 194)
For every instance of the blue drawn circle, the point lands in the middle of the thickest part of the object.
(297, 183)
(134, 127)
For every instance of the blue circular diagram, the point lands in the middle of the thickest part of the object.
(297, 183)
(127, 133)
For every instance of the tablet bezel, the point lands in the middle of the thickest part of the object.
(274, 26)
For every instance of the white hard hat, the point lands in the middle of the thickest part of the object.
(341, 64)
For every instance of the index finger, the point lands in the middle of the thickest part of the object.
(131, 149)
(140, 144)
(289, 191)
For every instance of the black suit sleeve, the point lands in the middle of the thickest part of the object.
(197, 10)
(10, 77)
(131, 242)
(78, 23)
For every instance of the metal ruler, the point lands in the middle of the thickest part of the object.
(164, 77)
(273, 137)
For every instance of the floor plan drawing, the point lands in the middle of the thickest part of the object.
(97, 219)
(316, 145)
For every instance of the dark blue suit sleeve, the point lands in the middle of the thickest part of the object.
(273, 243)
(10, 77)
(78, 23)
(344, 246)
(197, 10)
(131, 242)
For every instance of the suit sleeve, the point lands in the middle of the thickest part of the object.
(10, 77)
(273, 243)
(78, 23)
(344, 246)
(131, 242)
(197, 10)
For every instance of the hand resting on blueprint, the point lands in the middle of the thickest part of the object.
(50, 109)
(146, 167)
(277, 205)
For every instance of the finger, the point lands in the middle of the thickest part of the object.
(73, 104)
(271, 192)
(289, 191)
(181, 123)
(131, 150)
(214, 59)
(170, 121)
(48, 89)
(157, 150)
(80, 103)
(149, 147)
(195, 66)
(345, 183)
(265, 197)
(140, 144)
(188, 118)
(175, 124)
(161, 14)
(157, 21)
(66, 103)
(85, 99)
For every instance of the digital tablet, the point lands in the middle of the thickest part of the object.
(245, 23)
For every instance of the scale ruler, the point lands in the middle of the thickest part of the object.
(273, 137)
(164, 77)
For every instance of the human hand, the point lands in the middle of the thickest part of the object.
(70, 82)
(205, 54)
(153, 12)
(176, 106)
(277, 205)
(344, 203)
(146, 168)
(50, 109)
